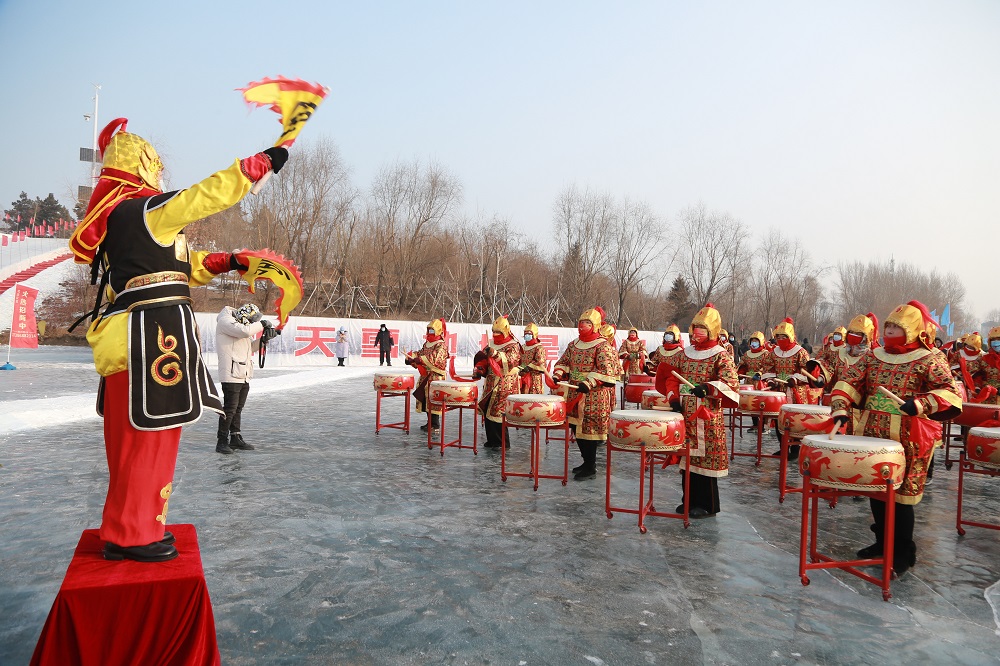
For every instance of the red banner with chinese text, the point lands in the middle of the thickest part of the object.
(24, 331)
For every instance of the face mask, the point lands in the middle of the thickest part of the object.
(723, 339)
(754, 344)
(785, 344)
(971, 351)
(854, 339)
(668, 338)
(584, 327)
(837, 337)
(528, 337)
(995, 345)
(699, 335)
(895, 340)
(499, 338)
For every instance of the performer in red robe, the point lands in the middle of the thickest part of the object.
(632, 353)
(706, 365)
(789, 369)
(502, 380)
(672, 344)
(145, 341)
(534, 362)
(591, 364)
(909, 368)
(432, 362)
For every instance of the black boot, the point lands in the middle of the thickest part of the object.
(904, 553)
(222, 445)
(589, 468)
(236, 441)
(154, 552)
(878, 527)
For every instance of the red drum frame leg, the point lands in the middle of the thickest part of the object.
(783, 488)
(403, 425)
(534, 471)
(967, 467)
(760, 439)
(735, 414)
(948, 446)
(456, 443)
(811, 495)
(647, 465)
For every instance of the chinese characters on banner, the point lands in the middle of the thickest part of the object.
(24, 330)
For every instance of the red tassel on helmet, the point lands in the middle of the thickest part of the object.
(873, 343)
(109, 131)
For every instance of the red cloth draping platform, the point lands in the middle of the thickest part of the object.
(128, 612)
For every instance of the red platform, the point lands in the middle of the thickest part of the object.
(131, 612)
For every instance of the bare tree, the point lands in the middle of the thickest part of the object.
(637, 242)
(584, 223)
(709, 247)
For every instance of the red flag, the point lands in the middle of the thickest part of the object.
(24, 331)
(14, 237)
(49, 229)
(24, 234)
(5, 240)
(19, 219)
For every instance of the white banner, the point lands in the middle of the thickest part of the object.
(310, 340)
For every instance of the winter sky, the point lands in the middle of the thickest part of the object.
(866, 129)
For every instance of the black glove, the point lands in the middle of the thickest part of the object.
(792, 381)
(756, 377)
(675, 407)
(408, 361)
(235, 265)
(839, 422)
(582, 388)
(278, 157)
(700, 391)
(909, 407)
(266, 323)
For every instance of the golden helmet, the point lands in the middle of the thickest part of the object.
(438, 326)
(975, 341)
(710, 319)
(672, 328)
(913, 318)
(866, 325)
(130, 153)
(532, 329)
(501, 326)
(758, 336)
(994, 333)
(595, 316)
(785, 327)
(608, 333)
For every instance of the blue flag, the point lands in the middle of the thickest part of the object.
(946, 316)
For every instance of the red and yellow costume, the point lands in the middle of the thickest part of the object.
(145, 342)
(787, 362)
(672, 345)
(726, 344)
(534, 362)
(502, 379)
(754, 361)
(632, 353)
(989, 368)
(431, 361)
(707, 366)
(591, 364)
(835, 344)
(909, 368)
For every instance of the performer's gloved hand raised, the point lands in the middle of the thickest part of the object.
(910, 407)
(839, 422)
(223, 262)
(700, 391)
(256, 166)
(582, 388)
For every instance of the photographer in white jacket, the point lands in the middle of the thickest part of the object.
(235, 331)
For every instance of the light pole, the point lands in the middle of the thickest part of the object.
(93, 165)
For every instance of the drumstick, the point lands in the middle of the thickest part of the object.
(889, 394)
(681, 379)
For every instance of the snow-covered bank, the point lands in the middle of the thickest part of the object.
(30, 414)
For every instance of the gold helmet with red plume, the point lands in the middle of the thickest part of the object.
(131, 169)
(913, 317)
(974, 341)
(608, 332)
(994, 334)
(531, 329)
(595, 316)
(438, 326)
(785, 327)
(709, 319)
(758, 336)
(866, 325)
(501, 326)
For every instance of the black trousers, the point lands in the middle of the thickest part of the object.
(384, 356)
(234, 396)
(905, 521)
(704, 492)
(494, 431)
(588, 450)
